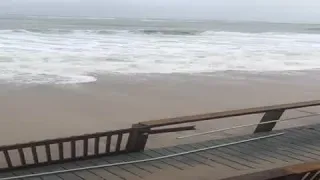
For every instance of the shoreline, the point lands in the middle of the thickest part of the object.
(221, 75)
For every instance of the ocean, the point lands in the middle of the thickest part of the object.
(65, 50)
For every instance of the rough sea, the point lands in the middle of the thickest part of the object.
(71, 50)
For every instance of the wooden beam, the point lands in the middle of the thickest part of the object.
(108, 143)
(119, 140)
(302, 168)
(22, 157)
(85, 147)
(34, 154)
(48, 152)
(61, 153)
(168, 130)
(137, 138)
(8, 159)
(269, 116)
(96, 145)
(225, 114)
(73, 149)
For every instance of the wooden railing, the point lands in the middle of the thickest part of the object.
(271, 114)
(73, 148)
(123, 141)
(275, 109)
(64, 149)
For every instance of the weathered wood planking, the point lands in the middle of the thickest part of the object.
(297, 145)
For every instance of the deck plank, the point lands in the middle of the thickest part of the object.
(145, 167)
(285, 147)
(171, 162)
(116, 170)
(101, 172)
(6, 175)
(217, 158)
(157, 165)
(182, 161)
(194, 156)
(249, 161)
(132, 168)
(299, 147)
(25, 172)
(278, 151)
(230, 159)
(268, 152)
(47, 169)
(261, 154)
(251, 153)
(85, 174)
(184, 158)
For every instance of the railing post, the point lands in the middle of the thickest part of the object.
(269, 116)
(138, 138)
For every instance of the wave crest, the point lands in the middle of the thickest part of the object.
(169, 32)
(107, 31)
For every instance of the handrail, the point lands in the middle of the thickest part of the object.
(225, 114)
(243, 126)
(64, 139)
(49, 146)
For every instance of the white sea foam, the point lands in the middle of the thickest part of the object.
(73, 56)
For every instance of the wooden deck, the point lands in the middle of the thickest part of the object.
(296, 145)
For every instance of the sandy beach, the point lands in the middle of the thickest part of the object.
(36, 112)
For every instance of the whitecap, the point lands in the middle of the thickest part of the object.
(73, 57)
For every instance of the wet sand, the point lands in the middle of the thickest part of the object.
(36, 112)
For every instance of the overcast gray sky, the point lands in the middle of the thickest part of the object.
(263, 10)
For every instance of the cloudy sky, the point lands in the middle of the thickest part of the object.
(261, 10)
